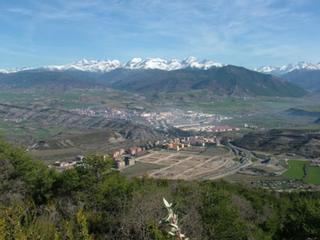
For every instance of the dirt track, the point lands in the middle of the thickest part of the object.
(190, 165)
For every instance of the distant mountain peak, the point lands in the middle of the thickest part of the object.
(134, 63)
(302, 65)
(14, 70)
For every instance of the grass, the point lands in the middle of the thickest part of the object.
(302, 170)
(11, 129)
(214, 151)
(313, 175)
(232, 105)
(295, 169)
(75, 98)
(140, 168)
(18, 130)
(249, 179)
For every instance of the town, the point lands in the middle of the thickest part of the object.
(184, 120)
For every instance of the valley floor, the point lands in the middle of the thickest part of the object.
(60, 126)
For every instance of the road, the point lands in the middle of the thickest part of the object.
(245, 161)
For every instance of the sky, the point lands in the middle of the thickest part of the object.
(249, 33)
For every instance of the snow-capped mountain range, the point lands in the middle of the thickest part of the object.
(288, 68)
(161, 64)
(135, 63)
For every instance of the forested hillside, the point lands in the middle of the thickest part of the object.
(94, 202)
(308, 79)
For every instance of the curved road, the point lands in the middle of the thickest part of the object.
(245, 161)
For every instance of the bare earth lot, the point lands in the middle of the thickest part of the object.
(200, 163)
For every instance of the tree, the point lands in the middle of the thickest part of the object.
(220, 218)
(83, 226)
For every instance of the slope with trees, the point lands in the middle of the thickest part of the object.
(94, 202)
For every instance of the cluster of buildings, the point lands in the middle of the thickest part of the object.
(124, 158)
(222, 128)
(85, 112)
(246, 125)
(184, 120)
(178, 144)
(64, 165)
(180, 119)
(315, 162)
(15, 120)
(108, 113)
(209, 128)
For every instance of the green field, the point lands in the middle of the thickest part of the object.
(313, 175)
(301, 170)
(295, 169)
(140, 168)
(214, 151)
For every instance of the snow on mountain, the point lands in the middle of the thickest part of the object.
(288, 68)
(135, 63)
(87, 65)
(161, 64)
(149, 63)
(206, 64)
(14, 70)
(266, 69)
(173, 64)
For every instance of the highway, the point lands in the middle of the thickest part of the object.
(245, 161)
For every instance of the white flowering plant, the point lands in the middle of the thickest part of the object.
(171, 222)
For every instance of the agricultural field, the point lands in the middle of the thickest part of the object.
(74, 98)
(262, 112)
(233, 105)
(302, 170)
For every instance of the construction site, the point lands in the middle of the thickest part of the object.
(197, 163)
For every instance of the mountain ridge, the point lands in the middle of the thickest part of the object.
(307, 79)
(281, 70)
(135, 63)
(303, 74)
(227, 80)
(161, 64)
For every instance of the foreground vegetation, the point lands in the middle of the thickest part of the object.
(95, 202)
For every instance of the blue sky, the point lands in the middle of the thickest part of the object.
(241, 32)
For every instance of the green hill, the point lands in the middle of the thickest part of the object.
(228, 80)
